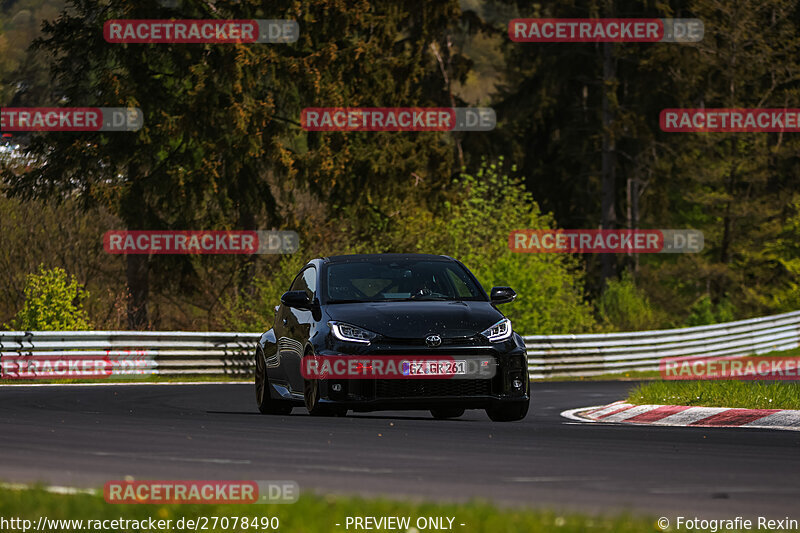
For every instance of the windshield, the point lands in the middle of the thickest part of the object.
(381, 281)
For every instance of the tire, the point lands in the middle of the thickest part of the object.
(447, 412)
(508, 412)
(266, 404)
(311, 396)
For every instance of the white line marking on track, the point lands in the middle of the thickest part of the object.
(703, 489)
(781, 419)
(151, 457)
(349, 469)
(784, 420)
(570, 414)
(784, 428)
(55, 489)
(594, 413)
(552, 479)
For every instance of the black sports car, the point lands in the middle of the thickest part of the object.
(379, 306)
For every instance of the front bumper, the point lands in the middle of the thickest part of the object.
(508, 384)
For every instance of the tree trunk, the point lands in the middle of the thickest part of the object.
(247, 268)
(609, 158)
(633, 216)
(138, 274)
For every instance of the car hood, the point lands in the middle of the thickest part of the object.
(415, 320)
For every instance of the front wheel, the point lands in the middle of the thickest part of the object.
(266, 404)
(508, 412)
(311, 396)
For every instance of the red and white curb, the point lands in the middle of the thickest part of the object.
(684, 415)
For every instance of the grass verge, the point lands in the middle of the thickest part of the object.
(742, 394)
(722, 393)
(312, 514)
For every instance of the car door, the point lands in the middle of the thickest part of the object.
(298, 324)
(283, 339)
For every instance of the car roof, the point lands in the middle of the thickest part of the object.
(355, 258)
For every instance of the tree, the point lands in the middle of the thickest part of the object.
(53, 301)
(220, 139)
(735, 187)
(473, 226)
(576, 117)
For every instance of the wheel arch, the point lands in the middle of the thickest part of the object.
(267, 341)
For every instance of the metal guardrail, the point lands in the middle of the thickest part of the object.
(140, 352)
(218, 353)
(612, 353)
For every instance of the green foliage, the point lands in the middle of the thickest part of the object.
(314, 513)
(222, 148)
(722, 393)
(704, 311)
(735, 187)
(53, 301)
(740, 394)
(550, 293)
(474, 226)
(625, 307)
(783, 255)
(255, 311)
(60, 235)
(23, 76)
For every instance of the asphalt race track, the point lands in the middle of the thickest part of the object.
(84, 436)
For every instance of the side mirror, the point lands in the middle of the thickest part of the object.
(502, 295)
(296, 299)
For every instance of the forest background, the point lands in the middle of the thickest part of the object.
(577, 145)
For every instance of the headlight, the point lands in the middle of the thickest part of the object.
(350, 333)
(498, 332)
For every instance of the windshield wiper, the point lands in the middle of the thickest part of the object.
(421, 299)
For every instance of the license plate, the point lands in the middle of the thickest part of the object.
(435, 368)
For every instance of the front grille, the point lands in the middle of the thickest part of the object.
(446, 341)
(428, 388)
